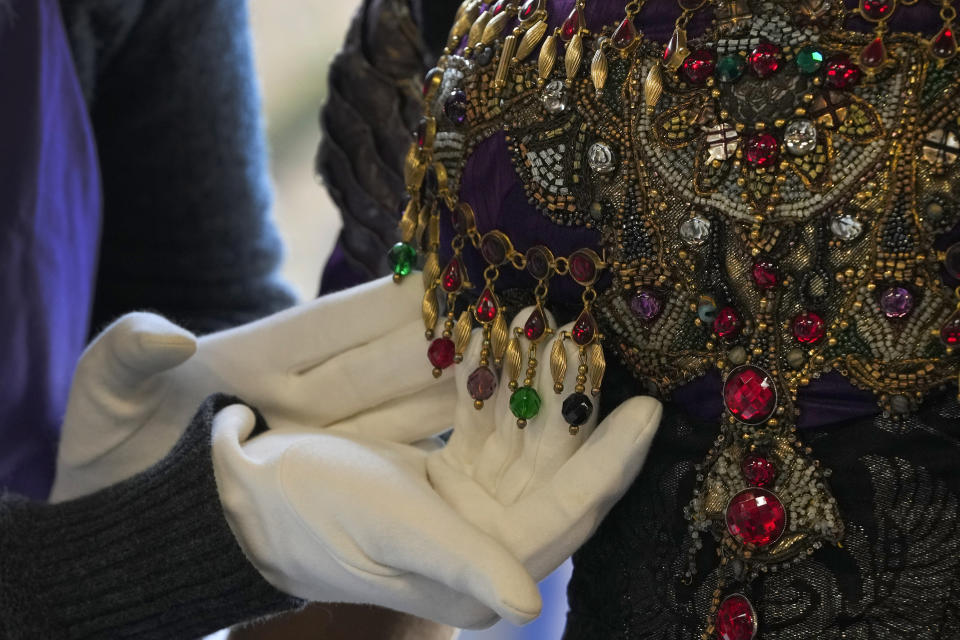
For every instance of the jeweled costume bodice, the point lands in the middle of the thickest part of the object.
(772, 199)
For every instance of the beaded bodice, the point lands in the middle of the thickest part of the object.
(772, 199)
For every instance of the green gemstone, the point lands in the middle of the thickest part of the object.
(402, 257)
(525, 403)
(810, 59)
(730, 68)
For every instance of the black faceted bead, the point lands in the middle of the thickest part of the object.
(577, 409)
(483, 56)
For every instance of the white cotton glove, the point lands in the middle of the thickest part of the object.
(347, 514)
(139, 383)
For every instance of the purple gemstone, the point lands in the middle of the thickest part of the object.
(455, 107)
(482, 383)
(645, 304)
(896, 302)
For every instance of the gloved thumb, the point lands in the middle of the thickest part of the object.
(140, 345)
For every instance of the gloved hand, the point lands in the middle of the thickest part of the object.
(347, 514)
(139, 383)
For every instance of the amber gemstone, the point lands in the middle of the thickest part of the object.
(482, 383)
(808, 327)
(874, 54)
(571, 25)
(486, 310)
(764, 60)
(758, 471)
(749, 394)
(944, 44)
(756, 517)
(441, 353)
(950, 331)
(584, 329)
(699, 66)
(761, 150)
(624, 34)
(764, 274)
(736, 619)
(876, 9)
(452, 278)
(535, 325)
(727, 323)
(582, 268)
(841, 73)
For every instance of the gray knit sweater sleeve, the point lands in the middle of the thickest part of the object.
(150, 558)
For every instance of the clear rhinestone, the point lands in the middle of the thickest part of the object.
(846, 227)
(800, 137)
(600, 157)
(695, 230)
(722, 141)
(941, 147)
(553, 97)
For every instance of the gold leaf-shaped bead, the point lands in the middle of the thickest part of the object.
(574, 56)
(499, 336)
(598, 365)
(462, 332)
(548, 58)
(431, 270)
(476, 31)
(558, 361)
(512, 359)
(531, 39)
(414, 168)
(494, 28)
(430, 309)
(653, 88)
(599, 70)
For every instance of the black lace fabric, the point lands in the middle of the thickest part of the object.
(896, 575)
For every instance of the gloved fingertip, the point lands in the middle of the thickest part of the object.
(522, 608)
(168, 349)
(234, 422)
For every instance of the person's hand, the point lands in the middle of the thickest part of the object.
(139, 383)
(457, 534)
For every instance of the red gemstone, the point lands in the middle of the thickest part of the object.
(764, 274)
(761, 149)
(808, 327)
(736, 619)
(528, 9)
(944, 45)
(452, 278)
(441, 352)
(876, 9)
(624, 34)
(584, 329)
(700, 65)
(764, 60)
(874, 54)
(758, 471)
(673, 46)
(536, 324)
(486, 310)
(727, 323)
(756, 517)
(950, 331)
(498, 8)
(841, 72)
(571, 25)
(749, 394)
(582, 268)
(422, 134)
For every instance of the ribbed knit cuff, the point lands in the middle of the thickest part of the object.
(152, 557)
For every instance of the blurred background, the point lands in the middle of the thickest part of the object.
(294, 41)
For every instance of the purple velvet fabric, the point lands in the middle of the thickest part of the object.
(49, 228)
